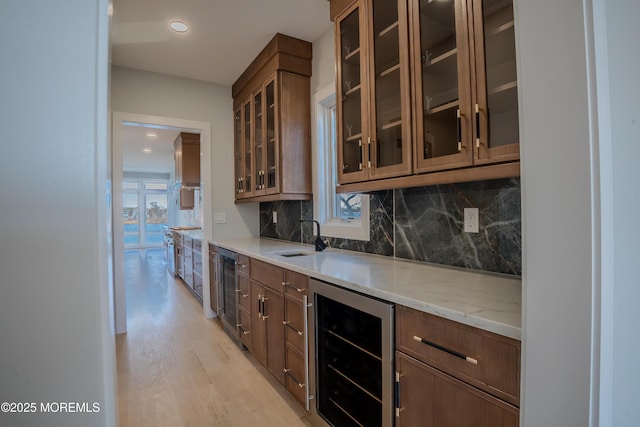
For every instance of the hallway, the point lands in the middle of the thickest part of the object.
(176, 368)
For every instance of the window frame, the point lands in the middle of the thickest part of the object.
(325, 177)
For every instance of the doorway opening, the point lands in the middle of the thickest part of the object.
(139, 212)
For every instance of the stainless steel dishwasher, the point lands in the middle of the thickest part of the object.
(351, 368)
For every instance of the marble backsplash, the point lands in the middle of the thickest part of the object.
(425, 224)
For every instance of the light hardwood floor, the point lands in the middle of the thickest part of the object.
(176, 368)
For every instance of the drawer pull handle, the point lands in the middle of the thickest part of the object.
(286, 323)
(288, 372)
(446, 350)
(290, 286)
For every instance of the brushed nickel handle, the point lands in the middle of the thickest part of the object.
(446, 350)
(288, 372)
(290, 286)
(288, 324)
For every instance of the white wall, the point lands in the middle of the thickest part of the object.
(55, 328)
(617, 65)
(557, 228)
(323, 66)
(153, 94)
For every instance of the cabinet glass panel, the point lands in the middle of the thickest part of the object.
(271, 135)
(350, 88)
(440, 98)
(237, 152)
(257, 137)
(500, 63)
(247, 147)
(386, 44)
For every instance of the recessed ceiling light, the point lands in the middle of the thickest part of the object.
(146, 150)
(151, 135)
(179, 26)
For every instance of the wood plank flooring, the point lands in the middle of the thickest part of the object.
(176, 368)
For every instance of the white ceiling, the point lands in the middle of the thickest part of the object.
(224, 37)
(135, 140)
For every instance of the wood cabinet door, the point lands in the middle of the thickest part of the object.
(352, 104)
(271, 175)
(429, 397)
(390, 144)
(258, 323)
(238, 151)
(442, 85)
(213, 279)
(274, 315)
(496, 85)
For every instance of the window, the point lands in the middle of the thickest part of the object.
(344, 215)
(145, 229)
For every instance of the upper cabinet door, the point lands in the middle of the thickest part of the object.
(352, 102)
(238, 151)
(271, 180)
(390, 143)
(496, 125)
(352, 95)
(442, 84)
(247, 157)
(258, 142)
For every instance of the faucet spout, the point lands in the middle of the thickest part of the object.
(320, 244)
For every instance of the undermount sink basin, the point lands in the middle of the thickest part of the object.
(291, 254)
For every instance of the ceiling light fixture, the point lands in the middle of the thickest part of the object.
(146, 150)
(151, 135)
(179, 26)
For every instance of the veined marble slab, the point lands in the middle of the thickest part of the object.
(487, 301)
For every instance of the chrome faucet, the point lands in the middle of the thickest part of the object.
(320, 244)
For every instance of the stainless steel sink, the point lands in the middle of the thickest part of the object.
(291, 254)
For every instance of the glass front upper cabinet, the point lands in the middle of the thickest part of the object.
(373, 91)
(352, 100)
(390, 143)
(258, 142)
(238, 151)
(496, 133)
(442, 80)
(270, 180)
(248, 182)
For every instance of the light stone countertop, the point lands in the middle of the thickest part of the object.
(487, 301)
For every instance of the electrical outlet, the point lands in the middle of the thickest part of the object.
(471, 220)
(275, 217)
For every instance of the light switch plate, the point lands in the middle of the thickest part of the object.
(471, 220)
(221, 218)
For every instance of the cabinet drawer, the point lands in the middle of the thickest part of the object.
(244, 292)
(498, 358)
(429, 397)
(267, 274)
(295, 284)
(243, 264)
(197, 263)
(197, 280)
(197, 245)
(187, 242)
(295, 374)
(244, 327)
(294, 322)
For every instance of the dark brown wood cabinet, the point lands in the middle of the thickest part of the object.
(213, 278)
(267, 316)
(272, 116)
(439, 361)
(427, 92)
(429, 397)
(187, 167)
(296, 291)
